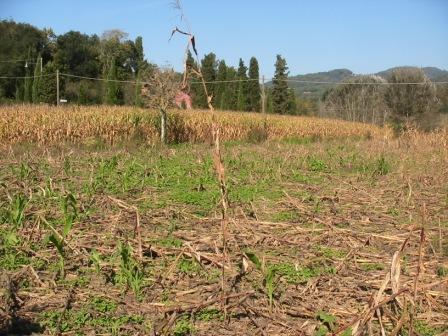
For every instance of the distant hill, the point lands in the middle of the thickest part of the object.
(434, 74)
(316, 91)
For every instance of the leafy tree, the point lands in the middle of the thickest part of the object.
(253, 87)
(242, 86)
(78, 54)
(18, 41)
(410, 103)
(159, 91)
(47, 84)
(360, 102)
(279, 94)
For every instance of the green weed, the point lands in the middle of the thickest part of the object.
(188, 266)
(372, 267)
(442, 271)
(130, 271)
(210, 314)
(183, 327)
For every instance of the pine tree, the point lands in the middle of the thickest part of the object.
(279, 94)
(47, 84)
(242, 87)
(112, 89)
(37, 78)
(253, 87)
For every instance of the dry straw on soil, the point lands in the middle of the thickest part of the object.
(48, 125)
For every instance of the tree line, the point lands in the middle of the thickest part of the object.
(113, 56)
(405, 97)
(26, 51)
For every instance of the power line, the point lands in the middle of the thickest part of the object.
(228, 81)
(235, 81)
(15, 61)
(26, 77)
(360, 83)
(102, 79)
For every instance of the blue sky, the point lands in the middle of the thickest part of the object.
(364, 36)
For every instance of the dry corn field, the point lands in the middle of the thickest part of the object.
(334, 228)
(47, 125)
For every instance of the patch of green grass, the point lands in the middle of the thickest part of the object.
(382, 166)
(372, 267)
(183, 326)
(103, 305)
(210, 314)
(329, 252)
(442, 271)
(188, 266)
(285, 216)
(301, 140)
(316, 165)
(423, 329)
(169, 241)
(393, 212)
(75, 321)
(12, 259)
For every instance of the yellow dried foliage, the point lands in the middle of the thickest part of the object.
(49, 124)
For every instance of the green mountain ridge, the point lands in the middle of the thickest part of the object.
(316, 90)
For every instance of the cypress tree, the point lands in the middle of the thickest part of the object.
(242, 87)
(112, 90)
(196, 88)
(220, 88)
(231, 93)
(209, 65)
(27, 95)
(37, 78)
(19, 94)
(139, 54)
(82, 95)
(253, 87)
(138, 101)
(279, 94)
(292, 102)
(47, 84)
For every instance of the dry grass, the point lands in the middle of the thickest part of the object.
(328, 217)
(47, 125)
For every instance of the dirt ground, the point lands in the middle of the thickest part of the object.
(322, 238)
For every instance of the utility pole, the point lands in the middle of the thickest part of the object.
(41, 68)
(263, 96)
(57, 87)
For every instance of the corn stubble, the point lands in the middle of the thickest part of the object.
(77, 124)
